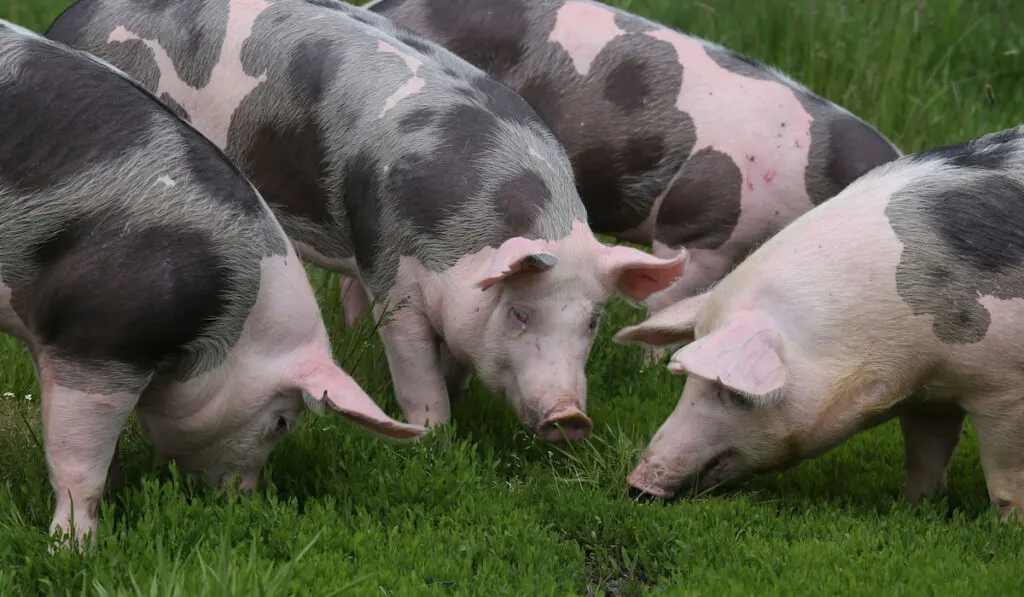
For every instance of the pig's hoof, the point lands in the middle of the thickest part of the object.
(572, 426)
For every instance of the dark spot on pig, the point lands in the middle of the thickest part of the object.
(978, 222)
(492, 40)
(313, 66)
(286, 164)
(739, 64)
(101, 117)
(506, 103)
(842, 148)
(544, 96)
(417, 119)
(362, 199)
(520, 200)
(631, 23)
(991, 152)
(86, 306)
(429, 188)
(223, 183)
(702, 207)
(626, 85)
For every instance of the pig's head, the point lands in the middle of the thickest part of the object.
(225, 423)
(753, 401)
(542, 302)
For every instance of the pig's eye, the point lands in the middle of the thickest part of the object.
(520, 316)
(595, 320)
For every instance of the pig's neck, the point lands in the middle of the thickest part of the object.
(458, 310)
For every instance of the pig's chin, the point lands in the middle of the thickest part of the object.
(719, 470)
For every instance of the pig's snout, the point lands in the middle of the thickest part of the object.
(565, 424)
(646, 481)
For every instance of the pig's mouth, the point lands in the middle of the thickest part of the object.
(716, 471)
(649, 480)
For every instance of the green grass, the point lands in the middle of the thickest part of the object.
(480, 508)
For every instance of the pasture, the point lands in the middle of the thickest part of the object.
(480, 507)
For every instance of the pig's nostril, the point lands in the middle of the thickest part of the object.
(572, 426)
(639, 495)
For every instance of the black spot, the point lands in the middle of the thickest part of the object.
(978, 221)
(520, 200)
(417, 119)
(543, 94)
(842, 148)
(979, 227)
(429, 188)
(506, 103)
(494, 41)
(626, 85)
(991, 152)
(287, 165)
(222, 182)
(135, 295)
(92, 117)
(363, 190)
(739, 64)
(702, 207)
(854, 149)
(313, 65)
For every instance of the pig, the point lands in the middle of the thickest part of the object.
(390, 160)
(675, 141)
(144, 272)
(902, 296)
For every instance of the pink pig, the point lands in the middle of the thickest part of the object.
(903, 296)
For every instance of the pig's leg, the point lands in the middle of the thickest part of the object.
(80, 431)
(456, 374)
(1001, 447)
(353, 297)
(930, 434)
(415, 364)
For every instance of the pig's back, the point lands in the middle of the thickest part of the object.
(633, 100)
(923, 256)
(125, 236)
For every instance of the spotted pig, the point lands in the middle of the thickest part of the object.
(903, 296)
(145, 273)
(394, 162)
(675, 141)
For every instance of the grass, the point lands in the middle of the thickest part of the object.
(480, 508)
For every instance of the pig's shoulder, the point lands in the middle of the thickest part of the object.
(961, 223)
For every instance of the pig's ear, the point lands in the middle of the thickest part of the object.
(329, 386)
(671, 325)
(514, 256)
(743, 356)
(637, 274)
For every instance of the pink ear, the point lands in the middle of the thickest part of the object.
(328, 385)
(743, 356)
(517, 255)
(669, 326)
(638, 275)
